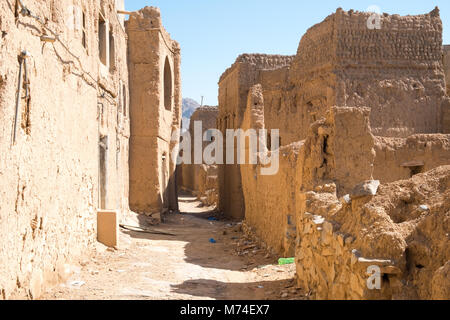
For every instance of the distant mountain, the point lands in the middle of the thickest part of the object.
(189, 107)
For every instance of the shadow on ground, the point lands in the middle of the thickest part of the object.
(197, 227)
(263, 290)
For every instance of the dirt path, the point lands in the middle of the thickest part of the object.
(186, 266)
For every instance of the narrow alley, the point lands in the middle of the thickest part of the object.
(184, 265)
(315, 164)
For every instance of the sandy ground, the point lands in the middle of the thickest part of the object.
(185, 266)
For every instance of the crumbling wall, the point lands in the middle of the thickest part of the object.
(390, 90)
(312, 84)
(49, 176)
(405, 97)
(201, 179)
(340, 61)
(339, 149)
(395, 71)
(234, 86)
(337, 154)
(155, 93)
(279, 110)
(401, 230)
(269, 199)
(401, 158)
(231, 200)
(344, 230)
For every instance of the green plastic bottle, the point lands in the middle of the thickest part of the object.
(283, 261)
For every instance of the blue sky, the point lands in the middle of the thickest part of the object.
(212, 33)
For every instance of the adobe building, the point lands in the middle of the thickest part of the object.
(155, 112)
(64, 106)
(234, 85)
(334, 66)
(201, 179)
(66, 112)
(362, 119)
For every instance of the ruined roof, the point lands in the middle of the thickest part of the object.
(207, 109)
(260, 61)
(207, 115)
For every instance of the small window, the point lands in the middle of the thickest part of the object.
(124, 96)
(83, 30)
(112, 51)
(102, 39)
(167, 85)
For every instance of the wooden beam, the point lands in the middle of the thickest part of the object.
(48, 39)
(124, 12)
(413, 163)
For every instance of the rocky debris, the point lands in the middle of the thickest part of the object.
(346, 199)
(365, 189)
(441, 283)
(402, 229)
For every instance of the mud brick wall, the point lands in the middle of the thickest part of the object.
(234, 86)
(230, 187)
(332, 155)
(338, 149)
(353, 105)
(312, 84)
(405, 93)
(280, 111)
(395, 71)
(269, 199)
(270, 202)
(200, 178)
(49, 178)
(154, 66)
(334, 252)
(328, 266)
(401, 158)
(339, 236)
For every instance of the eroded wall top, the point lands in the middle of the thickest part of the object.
(207, 115)
(259, 62)
(344, 38)
(394, 69)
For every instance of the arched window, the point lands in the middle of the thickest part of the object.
(167, 85)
